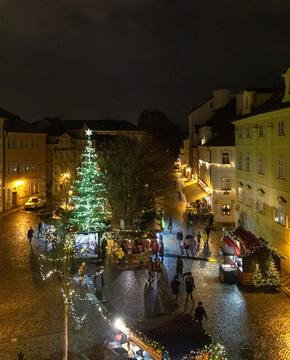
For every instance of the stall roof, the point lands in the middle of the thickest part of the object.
(178, 333)
(230, 243)
(193, 192)
(247, 239)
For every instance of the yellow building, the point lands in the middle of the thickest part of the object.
(263, 168)
(22, 152)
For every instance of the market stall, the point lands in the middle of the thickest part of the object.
(245, 254)
(157, 339)
(86, 245)
(137, 244)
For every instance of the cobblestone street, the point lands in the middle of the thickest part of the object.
(251, 325)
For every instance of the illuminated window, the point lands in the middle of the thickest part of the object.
(240, 194)
(226, 210)
(279, 214)
(15, 168)
(225, 157)
(27, 167)
(261, 165)
(260, 130)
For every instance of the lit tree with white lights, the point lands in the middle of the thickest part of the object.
(90, 212)
(273, 278)
(258, 277)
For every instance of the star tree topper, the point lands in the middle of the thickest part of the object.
(89, 133)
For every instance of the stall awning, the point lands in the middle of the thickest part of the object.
(228, 241)
(193, 192)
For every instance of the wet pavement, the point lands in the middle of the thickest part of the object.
(251, 325)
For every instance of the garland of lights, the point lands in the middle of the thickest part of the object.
(90, 212)
(214, 350)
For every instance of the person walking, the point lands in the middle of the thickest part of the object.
(198, 236)
(161, 251)
(192, 244)
(186, 247)
(150, 270)
(159, 270)
(181, 247)
(155, 249)
(179, 266)
(189, 286)
(169, 224)
(100, 268)
(179, 236)
(82, 273)
(200, 313)
(175, 287)
(121, 255)
(30, 234)
(207, 231)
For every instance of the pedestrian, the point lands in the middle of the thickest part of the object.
(175, 287)
(198, 236)
(179, 266)
(104, 247)
(30, 234)
(125, 252)
(207, 231)
(21, 355)
(40, 229)
(181, 247)
(169, 224)
(179, 194)
(186, 247)
(189, 286)
(158, 267)
(192, 244)
(100, 268)
(156, 249)
(150, 270)
(161, 251)
(121, 255)
(179, 236)
(82, 272)
(200, 313)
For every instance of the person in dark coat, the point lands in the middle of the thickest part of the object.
(179, 266)
(200, 313)
(179, 236)
(150, 269)
(175, 287)
(30, 234)
(198, 236)
(189, 286)
(170, 224)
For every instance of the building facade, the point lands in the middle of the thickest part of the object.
(23, 170)
(263, 169)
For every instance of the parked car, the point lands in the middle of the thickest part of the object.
(35, 202)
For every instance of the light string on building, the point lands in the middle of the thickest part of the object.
(208, 164)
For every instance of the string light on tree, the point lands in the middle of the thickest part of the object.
(90, 212)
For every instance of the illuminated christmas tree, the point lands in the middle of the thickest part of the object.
(90, 212)
(273, 278)
(257, 277)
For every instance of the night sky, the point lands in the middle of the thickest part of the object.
(91, 59)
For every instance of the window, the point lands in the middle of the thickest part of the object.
(240, 162)
(34, 143)
(23, 166)
(226, 210)
(27, 167)
(32, 166)
(281, 127)
(226, 184)
(279, 214)
(247, 163)
(240, 194)
(260, 204)
(240, 133)
(248, 197)
(260, 130)
(10, 168)
(14, 143)
(10, 143)
(36, 166)
(23, 143)
(225, 157)
(248, 133)
(261, 165)
(15, 168)
(282, 168)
